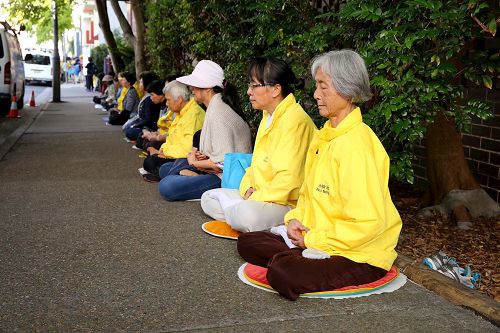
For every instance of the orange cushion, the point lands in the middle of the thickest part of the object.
(220, 229)
(257, 275)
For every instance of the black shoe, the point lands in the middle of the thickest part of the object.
(149, 177)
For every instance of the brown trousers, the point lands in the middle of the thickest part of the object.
(290, 274)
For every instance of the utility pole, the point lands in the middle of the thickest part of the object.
(56, 63)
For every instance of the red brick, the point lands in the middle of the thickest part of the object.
(489, 144)
(488, 169)
(495, 133)
(473, 165)
(481, 179)
(469, 140)
(467, 152)
(494, 121)
(494, 182)
(495, 159)
(479, 130)
(479, 155)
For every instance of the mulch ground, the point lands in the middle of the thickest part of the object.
(477, 247)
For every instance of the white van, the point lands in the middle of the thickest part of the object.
(38, 67)
(11, 69)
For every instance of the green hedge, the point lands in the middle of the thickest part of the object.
(415, 51)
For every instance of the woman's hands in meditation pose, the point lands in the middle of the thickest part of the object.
(296, 231)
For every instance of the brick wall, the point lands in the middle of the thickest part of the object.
(482, 144)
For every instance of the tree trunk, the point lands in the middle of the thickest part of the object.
(447, 168)
(124, 24)
(140, 32)
(452, 189)
(116, 59)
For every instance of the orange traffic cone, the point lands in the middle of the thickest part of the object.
(13, 108)
(32, 100)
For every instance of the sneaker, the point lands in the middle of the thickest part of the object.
(150, 178)
(461, 275)
(135, 147)
(438, 260)
(142, 171)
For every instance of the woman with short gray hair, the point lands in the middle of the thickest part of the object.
(176, 90)
(344, 229)
(351, 77)
(179, 142)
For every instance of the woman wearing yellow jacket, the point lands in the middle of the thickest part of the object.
(345, 227)
(179, 142)
(270, 186)
(165, 119)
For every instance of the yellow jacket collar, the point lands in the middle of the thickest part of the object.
(186, 107)
(328, 133)
(286, 103)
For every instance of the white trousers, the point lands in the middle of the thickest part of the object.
(227, 205)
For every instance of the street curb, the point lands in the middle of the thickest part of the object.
(12, 139)
(450, 290)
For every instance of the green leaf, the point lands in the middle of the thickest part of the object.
(488, 83)
(492, 26)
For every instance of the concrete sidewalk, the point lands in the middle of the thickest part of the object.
(87, 245)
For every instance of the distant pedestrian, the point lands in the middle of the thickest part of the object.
(89, 78)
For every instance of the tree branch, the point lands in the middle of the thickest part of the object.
(481, 24)
(139, 54)
(124, 24)
(102, 12)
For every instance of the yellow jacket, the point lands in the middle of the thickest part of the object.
(345, 199)
(139, 92)
(164, 122)
(119, 101)
(277, 168)
(179, 141)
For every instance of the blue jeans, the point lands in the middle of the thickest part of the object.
(175, 187)
(132, 132)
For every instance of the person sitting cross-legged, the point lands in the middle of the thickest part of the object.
(225, 130)
(345, 227)
(148, 111)
(270, 186)
(155, 138)
(189, 119)
(128, 100)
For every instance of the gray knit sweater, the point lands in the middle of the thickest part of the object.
(223, 131)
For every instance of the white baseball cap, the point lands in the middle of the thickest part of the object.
(206, 74)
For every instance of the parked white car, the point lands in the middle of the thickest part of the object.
(11, 69)
(38, 67)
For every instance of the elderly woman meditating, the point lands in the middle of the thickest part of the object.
(345, 227)
(189, 119)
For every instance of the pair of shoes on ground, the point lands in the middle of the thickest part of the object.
(449, 267)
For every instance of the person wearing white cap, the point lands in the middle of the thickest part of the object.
(224, 130)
